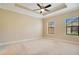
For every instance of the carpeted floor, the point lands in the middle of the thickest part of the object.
(41, 47)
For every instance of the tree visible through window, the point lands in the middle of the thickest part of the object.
(72, 26)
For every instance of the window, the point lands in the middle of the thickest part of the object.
(72, 26)
(51, 27)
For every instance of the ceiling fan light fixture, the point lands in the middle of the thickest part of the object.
(42, 10)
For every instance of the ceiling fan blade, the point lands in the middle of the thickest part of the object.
(39, 5)
(46, 10)
(40, 12)
(48, 6)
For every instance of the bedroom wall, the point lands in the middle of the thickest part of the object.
(60, 32)
(15, 26)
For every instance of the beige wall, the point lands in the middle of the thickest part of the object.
(15, 26)
(60, 26)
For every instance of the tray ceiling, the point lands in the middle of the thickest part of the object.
(33, 6)
(55, 9)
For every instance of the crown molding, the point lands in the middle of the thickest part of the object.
(11, 7)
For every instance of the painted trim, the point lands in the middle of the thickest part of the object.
(64, 41)
(18, 41)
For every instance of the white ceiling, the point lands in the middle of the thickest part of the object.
(55, 9)
(33, 6)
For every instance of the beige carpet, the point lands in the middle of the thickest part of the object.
(41, 47)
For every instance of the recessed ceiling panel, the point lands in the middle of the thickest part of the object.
(33, 6)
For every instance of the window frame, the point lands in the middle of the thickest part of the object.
(72, 26)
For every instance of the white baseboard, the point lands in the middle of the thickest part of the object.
(30, 39)
(18, 41)
(64, 40)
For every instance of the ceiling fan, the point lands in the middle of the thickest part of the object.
(42, 8)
